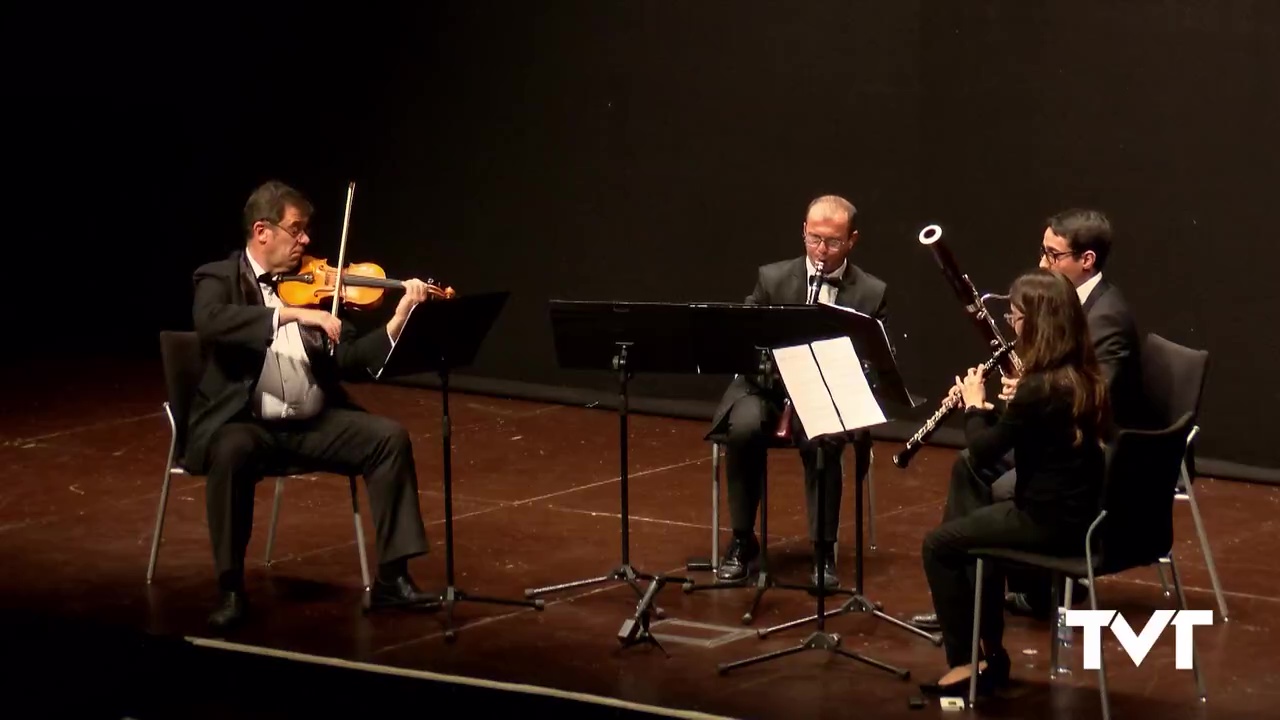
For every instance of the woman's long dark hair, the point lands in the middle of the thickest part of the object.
(1054, 343)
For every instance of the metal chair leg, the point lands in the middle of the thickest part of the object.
(1102, 659)
(1061, 636)
(977, 625)
(1182, 605)
(1164, 584)
(364, 558)
(1204, 543)
(275, 515)
(155, 538)
(164, 494)
(715, 505)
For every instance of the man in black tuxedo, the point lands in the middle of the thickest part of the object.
(1077, 244)
(271, 398)
(749, 413)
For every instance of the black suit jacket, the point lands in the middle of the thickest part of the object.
(1118, 348)
(234, 326)
(786, 283)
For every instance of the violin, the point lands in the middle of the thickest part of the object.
(363, 285)
(360, 286)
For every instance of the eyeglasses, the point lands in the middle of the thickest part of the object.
(295, 234)
(1055, 255)
(814, 241)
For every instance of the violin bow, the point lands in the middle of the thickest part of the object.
(342, 254)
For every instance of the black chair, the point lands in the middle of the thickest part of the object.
(184, 360)
(1173, 378)
(1134, 528)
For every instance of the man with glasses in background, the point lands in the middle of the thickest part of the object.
(748, 413)
(1077, 244)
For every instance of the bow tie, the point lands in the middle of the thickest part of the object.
(835, 281)
(271, 281)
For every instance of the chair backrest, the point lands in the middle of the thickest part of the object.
(1173, 378)
(182, 355)
(1142, 471)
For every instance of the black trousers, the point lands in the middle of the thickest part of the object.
(973, 519)
(751, 422)
(348, 442)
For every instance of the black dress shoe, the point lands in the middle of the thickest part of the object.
(926, 621)
(740, 560)
(399, 592)
(829, 578)
(231, 611)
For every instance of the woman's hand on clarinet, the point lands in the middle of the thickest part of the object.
(1009, 387)
(973, 390)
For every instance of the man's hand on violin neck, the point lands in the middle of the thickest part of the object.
(415, 291)
(322, 319)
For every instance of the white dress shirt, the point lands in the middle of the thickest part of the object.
(1087, 287)
(286, 388)
(827, 293)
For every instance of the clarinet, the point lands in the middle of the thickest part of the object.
(949, 405)
(975, 307)
(784, 423)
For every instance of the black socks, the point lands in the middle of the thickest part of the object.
(389, 571)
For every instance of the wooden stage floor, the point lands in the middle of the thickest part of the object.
(537, 503)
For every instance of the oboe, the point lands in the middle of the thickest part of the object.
(949, 405)
(815, 286)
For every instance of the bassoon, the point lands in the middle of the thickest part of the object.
(1002, 354)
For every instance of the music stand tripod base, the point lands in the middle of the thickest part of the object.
(625, 571)
(820, 639)
(857, 602)
(635, 630)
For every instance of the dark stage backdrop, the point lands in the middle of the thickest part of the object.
(662, 151)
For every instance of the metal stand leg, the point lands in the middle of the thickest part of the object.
(452, 594)
(625, 571)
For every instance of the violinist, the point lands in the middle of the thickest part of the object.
(271, 397)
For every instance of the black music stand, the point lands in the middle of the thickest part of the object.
(878, 366)
(624, 337)
(438, 336)
(736, 338)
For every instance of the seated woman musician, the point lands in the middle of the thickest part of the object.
(1054, 424)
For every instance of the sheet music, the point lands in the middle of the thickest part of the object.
(807, 389)
(842, 370)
